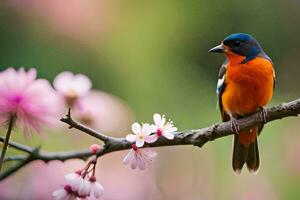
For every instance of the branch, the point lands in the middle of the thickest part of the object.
(73, 124)
(14, 158)
(197, 137)
(18, 146)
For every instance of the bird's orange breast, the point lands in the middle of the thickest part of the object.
(248, 86)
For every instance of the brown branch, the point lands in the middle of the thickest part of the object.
(73, 124)
(197, 137)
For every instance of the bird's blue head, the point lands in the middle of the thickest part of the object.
(241, 44)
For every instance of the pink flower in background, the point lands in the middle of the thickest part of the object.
(32, 101)
(72, 87)
(103, 112)
(139, 157)
(141, 134)
(162, 127)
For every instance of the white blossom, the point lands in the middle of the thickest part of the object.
(141, 134)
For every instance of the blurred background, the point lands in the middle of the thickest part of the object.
(147, 57)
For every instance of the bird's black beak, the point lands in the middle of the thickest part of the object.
(218, 49)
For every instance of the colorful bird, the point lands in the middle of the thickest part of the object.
(246, 83)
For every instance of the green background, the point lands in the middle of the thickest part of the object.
(153, 55)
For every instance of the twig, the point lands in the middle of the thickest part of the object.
(6, 140)
(73, 124)
(14, 158)
(196, 137)
(18, 146)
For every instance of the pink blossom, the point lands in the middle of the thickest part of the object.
(84, 188)
(141, 134)
(32, 101)
(64, 193)
(81, 184)
(72, 87)
(139, 157)
(96, 188)
(103, 112)
(94, 148)
(74, 180)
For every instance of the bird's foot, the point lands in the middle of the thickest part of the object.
(263, 114)
(234, 126)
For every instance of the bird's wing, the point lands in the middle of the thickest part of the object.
(264, 55)
(220, 89)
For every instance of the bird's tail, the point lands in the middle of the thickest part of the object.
(245, 150)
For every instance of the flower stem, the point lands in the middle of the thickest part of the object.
(5, 144)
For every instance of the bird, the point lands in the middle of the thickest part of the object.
(246, 82)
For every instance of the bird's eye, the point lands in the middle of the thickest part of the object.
(237, 43)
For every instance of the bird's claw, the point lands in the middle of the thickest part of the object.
(263, 114)
(234, 126)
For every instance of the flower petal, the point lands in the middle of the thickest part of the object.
(82, 84)
(131, 137)
(63, 82)
(140, 142)
(97, 190)
(150, 154)
(84, 188)
(171, 129)
(136, 128)
(128, 157)
(168, 135)
(74, 180)
(134, 161)
(60, 194)
(163, 120)
(153, 128)
(147, 129)
(151, 138)
(141, 163)
(157, 119)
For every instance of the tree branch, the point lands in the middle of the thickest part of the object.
(14, 158)
(197, 137)
(73, 124)
(18, 146)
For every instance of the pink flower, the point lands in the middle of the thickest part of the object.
(65, 193)
(84, 188)
(74, 180)
(94, 148)
(72, 87)
(96, 188)
(78, 184)
(139, 157)
(162, 127)
(141, 134)
(103, 112)
(81, 184)
(32, 101)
